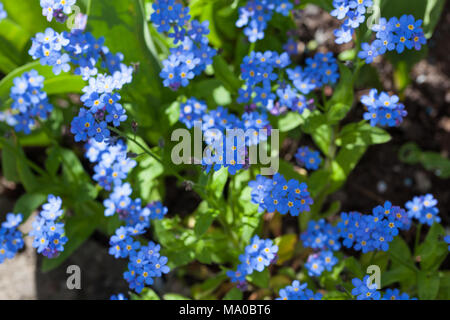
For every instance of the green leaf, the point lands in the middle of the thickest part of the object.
(218, 181)
(353, 265)
(316, 125)
(53, 162)
(233, 294)
(146, 294)
(286, 245)
(396, 274)
(345, 161)
(223, 73)
(9, 166)
(334, 208)
(65, 83)
(343, 94)
(174, 296)
(433, 251)
(260, 279)
(361, 134)
(427, 285)
(290, 121)
(124, 26)
(204, 218)
(410, 153)
(399, 253)
(432, 15)
(200, 291)
(444, 286)
(337, 112)
(29, 202)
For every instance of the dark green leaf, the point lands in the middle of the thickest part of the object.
(233, 294)
(427, 285)
(29, 202)
(260, 279)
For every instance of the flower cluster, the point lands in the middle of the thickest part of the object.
(257, 13)
(394, 34)
(258, 70)
(423, 208)
(320, 70)
(112, 164)
(3, 13)
(353, 13)
(298, 291)
(318, 262)
(394, 294)
(58, 9)
(308, 158)
(47, 47)
(112, 168)
(373, 232)
(190, 58)
(144, 265)
(48, 232)
(383, 109)
(11, 240)
(277, 194)
(258, 255)
(321, 235)
(193, 110)
(227, 136)
(263, 88)
(29, 101)
(363, 290)
(100, 97)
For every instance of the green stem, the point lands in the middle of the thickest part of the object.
(416, 243)
(195, 186)
(88, 7)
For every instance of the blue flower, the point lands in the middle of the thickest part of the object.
(29, 101)
(279, 195)
(256, 14)
(257, 256)
(308, 158)
(423, 208)
(11, 239)
(394, 294)
(291, 47)
(157, 210)
(447, 239)
(119, 296)
(12, 221)
(49, 238)
(298, 291)
(145, 265)
(368, 52)
(3, 13)
(193, 53)
(353, 14)
(363, 292)
(343, 34)
(383, 109)
(395, 34)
